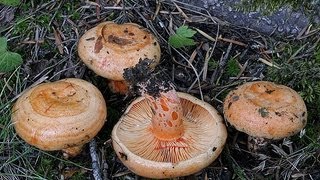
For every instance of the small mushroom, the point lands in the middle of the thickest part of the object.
(61, 115)
(264, 109)
(109, 48)
(168, 135)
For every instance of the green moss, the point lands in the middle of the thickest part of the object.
(267, 7)
(10, 2)
(232, 68)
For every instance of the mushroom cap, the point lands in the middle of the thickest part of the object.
(109, 48)
(203, 140)
(58, 115)
(265, 109)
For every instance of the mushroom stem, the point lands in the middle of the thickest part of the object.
(72, 151)
(167, 112)
(120, 87)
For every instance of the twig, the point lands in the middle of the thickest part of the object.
(268, 63)
(222, 64)
(181, 11)
(94, 160)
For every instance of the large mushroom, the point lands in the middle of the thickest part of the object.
(165, 134)
(265, 110)
(109, 48)
(61, 115)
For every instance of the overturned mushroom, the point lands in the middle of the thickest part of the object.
(109, 48)
(61, 115)
(166, 134)
(264, 109)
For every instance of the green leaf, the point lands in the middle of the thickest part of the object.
(185, 31)
(182, 37)
(10, 2)
(3, 44)
(178, 41)
(9, 61)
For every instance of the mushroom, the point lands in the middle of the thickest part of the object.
(265, 110)
(109, 48)
(169, 134)
(61, 115)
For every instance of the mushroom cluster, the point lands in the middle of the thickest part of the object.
(264, 109)
(61, 115)
(165, 134)
(109, 48)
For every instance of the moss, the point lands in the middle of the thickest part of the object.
(232, 68)
(268, 7)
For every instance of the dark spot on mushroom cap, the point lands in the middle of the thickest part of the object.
(263, 112)
(98, 45)
(229, 105)
(303, 114)
(90, 39)
(269, 91)
(214, 149)
(117, 40)
(123, 156)
(131, 34)
(278, 113)
(155, 43)
(235, 98)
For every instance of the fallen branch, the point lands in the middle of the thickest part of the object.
(94, 160)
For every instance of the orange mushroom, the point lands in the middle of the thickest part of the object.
(168, 135)
(109, 48)
(61, 115)
(264, 109)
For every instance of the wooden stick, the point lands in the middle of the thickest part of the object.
(95, 160)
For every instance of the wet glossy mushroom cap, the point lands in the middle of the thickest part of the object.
(109, 48)
(265, 109)
(144, 154)
(61, 115)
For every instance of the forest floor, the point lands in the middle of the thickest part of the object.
(46, 33)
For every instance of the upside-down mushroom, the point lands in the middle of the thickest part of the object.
(109, 48)
(265, 110)
(61, 115)
(168, 134)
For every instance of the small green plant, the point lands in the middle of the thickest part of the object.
(183, 37)
(8, 60)
(10, 2)
(232, 68)
(212, 64)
